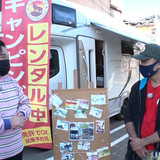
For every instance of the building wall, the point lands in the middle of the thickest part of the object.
(117, 9)
(116, 14)
(100, 5)
(150, 26)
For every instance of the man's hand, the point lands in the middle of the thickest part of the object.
(143, 153)
(137, 144)
(17, 121)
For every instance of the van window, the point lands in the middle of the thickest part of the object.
(54, 63)
(63, 15)
(127, 48)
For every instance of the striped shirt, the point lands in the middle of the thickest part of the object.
(12, 100)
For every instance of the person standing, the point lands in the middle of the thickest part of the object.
(14, 111)
(142, 115)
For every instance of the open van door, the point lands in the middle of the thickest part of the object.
(86, 62)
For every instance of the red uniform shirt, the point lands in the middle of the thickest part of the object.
(150, 114)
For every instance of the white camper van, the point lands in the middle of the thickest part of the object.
(98, 47)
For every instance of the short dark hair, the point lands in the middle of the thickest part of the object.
(2, 44)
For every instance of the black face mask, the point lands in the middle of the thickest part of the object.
(4, 67)
(147, 71)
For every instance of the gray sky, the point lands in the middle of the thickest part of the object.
(138, 9)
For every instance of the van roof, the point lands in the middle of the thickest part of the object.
(106, 22)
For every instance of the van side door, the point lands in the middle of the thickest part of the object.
(57, 68)
(87, 61)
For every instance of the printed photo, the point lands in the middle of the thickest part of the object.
(92, 156)
(71, 105)
(82, 104)
(100, 126)
(95, 112)
(84, 145)
(80, 113)
(154, 155)
(61, 112)
(56, 101)
(98, 99)
(62, 125)
(67, 156)
(65, 147)
(81, 131)
(102, 152)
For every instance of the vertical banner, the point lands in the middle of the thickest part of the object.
(26, 32)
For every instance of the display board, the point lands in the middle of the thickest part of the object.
(81, 128)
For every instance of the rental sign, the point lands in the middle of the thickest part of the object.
(26, 32)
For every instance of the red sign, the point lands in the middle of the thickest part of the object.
(26, 32)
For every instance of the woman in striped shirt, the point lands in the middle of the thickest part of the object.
(14, 111)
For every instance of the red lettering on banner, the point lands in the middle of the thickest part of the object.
(33, 140)
(28, 140)
(39, 99)
(42, 132)
(39, 58)
(38, 114)
(39, 73)
(39, 36)
(39, 135)
(42, 139)
(33, 95)
(28, 134)
(34, 133)
(37, 139)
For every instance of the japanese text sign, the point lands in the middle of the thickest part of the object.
(26, 32)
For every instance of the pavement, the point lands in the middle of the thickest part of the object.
(119, 139)
(37, 154)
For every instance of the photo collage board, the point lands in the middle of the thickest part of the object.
(81, 128)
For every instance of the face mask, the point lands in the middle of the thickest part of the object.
(147, 71)
(4, 67)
